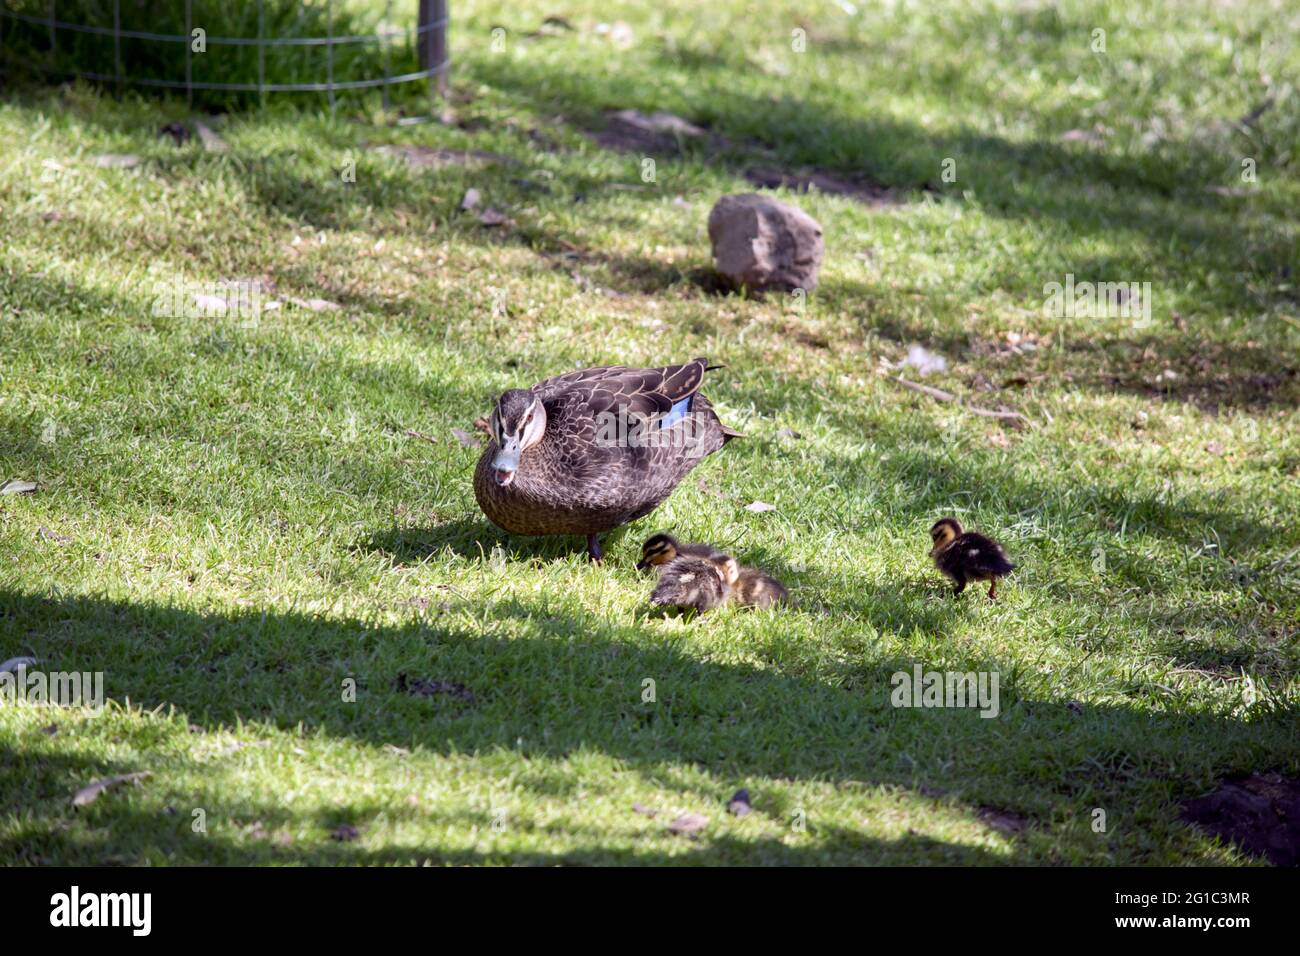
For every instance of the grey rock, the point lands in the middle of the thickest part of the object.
(762, 243)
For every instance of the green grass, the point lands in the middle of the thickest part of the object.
(250, 526)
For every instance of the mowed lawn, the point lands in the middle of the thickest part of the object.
(240, 519)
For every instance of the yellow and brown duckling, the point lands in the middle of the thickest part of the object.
(747, 587)
(753, 588)
(660, 549)
(692, 583)
(968, 556)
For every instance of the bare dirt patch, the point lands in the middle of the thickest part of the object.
(1259, 813)
(806, 180)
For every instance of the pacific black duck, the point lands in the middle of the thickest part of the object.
(589, 451)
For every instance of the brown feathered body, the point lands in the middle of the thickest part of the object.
(753, 588)
(968, 556)
(583, 477)
(691, 583)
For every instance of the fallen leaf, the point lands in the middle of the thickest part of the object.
(923, 360)
(1016, 381)
(15, 663)
(344, 832)
(88, 795)
(481, 424)
(471, 199)
(16, 487)
(211, 305)
(788, 433)
(645, 811)
(412, 433)
(316, 305)
(739, 803)
(50, 729)
(212, 143)
(493, 217)
(688, 823)
(759, 506)
(116, 161)
(1214, 448)
(465, 438)
(54, 536)
(999, 440)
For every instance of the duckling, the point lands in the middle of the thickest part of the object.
(660, 549)
(968, 556)
(753, 588)
(695, 583)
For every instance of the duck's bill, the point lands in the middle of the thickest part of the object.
(642, 565)
(504, 466)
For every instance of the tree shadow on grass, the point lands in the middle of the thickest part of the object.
(153, 822)
(550, 683)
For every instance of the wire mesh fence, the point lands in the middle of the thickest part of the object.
(217, 52)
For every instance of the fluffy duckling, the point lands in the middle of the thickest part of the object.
(968, 556)
(695, 583)
(753, 588)
(660, 549)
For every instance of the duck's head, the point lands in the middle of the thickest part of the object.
(944, 532)
(518, 423)
(658, 549)
(728, 568)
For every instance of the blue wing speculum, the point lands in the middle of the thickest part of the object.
(677, 412)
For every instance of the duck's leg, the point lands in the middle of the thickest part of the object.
(993, 589)
(960, 579)
(593, 548)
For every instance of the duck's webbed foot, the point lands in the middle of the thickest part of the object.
(593, 549)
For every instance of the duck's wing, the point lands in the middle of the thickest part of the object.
(648, 392)
(982, 553)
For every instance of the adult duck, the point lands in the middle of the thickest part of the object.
(592, 450)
